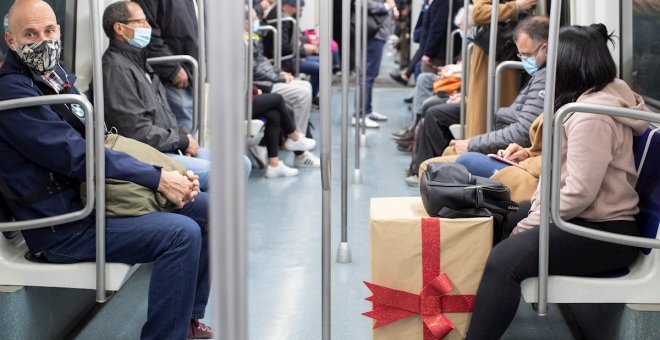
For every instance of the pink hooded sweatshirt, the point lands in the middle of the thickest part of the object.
(598, 174)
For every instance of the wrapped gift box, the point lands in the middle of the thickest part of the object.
(422, 288)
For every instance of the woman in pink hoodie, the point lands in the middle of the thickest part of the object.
(598, 179)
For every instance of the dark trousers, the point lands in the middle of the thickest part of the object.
(374, 57)
(279, 119)
(516, 258)
(434, 135)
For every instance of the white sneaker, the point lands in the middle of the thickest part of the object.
(368, 122)
(307, 160)
(302, 144)
(379, 117)
(280, 170)
(260, 154)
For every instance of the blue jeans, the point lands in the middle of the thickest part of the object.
(374, 57)
(176, 243)
(310, 65)
(201, 166)
(480, 165)
(181, 103)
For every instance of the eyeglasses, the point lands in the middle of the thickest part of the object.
(522, 56)
(140, 22)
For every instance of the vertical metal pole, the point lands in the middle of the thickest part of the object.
(344, 250)
(450, 46)
(492, 47)
(326, 161)
(227, 218)
(278, 40)
(466, 66)
(357, 49)
(99, 174)
(365, 48)
(542, 7)
(546, 173)
(201, 78)
(449, 56)
(296, 43)
(249, 71)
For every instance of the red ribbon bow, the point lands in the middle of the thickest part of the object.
(391, 305)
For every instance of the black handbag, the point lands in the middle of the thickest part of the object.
(450, 190)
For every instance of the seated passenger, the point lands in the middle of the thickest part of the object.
(279, 120)
(597, 187)
(511, 123)
(297, 93)
(135, 99)
(40, 148)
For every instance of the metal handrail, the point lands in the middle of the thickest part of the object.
(556, 174)
(326, 159)
(296, 47)
(195, 85)
(449, 56)
(450, 46)
(99, 112)
(89, 161)
(249, 60)
(227, 227)
(201, 79)
(343, 252)
(297, 38)
(275, 33)
(548, 108)
(465, 76)
(498, 86)
(357, 176)
(278, 41)
(492, 48)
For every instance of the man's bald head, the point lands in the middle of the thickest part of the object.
(31, 21)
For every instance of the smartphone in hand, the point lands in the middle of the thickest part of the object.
(504, 160)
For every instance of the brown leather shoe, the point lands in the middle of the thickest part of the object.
(199, 330)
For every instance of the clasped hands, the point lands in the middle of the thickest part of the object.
(177, 188)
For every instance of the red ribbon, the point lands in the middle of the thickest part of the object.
(391, 305)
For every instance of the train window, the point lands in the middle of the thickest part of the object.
(645, 69)
(65, 11)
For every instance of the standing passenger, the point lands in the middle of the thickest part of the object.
(39, 149)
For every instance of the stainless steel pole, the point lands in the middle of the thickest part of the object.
(357, 52)
(466, 67)
(344, 250)
(498, 80)
(363, 109)
(492, 47)
(99, 120)
(326, 161)
(249, 71)
(201, 79)
(546, 173)
(227, 217)
(542, 8)
(449, 56)
(278, 41)
(296, 43)
(452, 38)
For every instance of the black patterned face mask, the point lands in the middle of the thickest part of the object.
(41, 56)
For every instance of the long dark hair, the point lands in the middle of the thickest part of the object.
(584, 63)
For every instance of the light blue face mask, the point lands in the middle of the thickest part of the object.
(255, 26)
(530, 65)
(141, 37)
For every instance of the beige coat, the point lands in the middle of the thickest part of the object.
(475, 119)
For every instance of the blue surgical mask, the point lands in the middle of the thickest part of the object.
(530, 65)
(255, 26)
(141, 37)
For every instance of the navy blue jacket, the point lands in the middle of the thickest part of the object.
(435, 38)
(36, 143)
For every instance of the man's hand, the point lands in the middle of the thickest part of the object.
(426, 60)
(514, 152)
(460, 145)
(454, 98)
(193, 147)
(176, 188)
(526, 4)
(194, 179)
(180, 80)
(288, 77)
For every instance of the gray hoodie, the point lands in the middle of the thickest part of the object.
(598, 174)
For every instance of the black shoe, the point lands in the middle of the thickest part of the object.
(408, 100)
(396, 76)
(400, 133)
